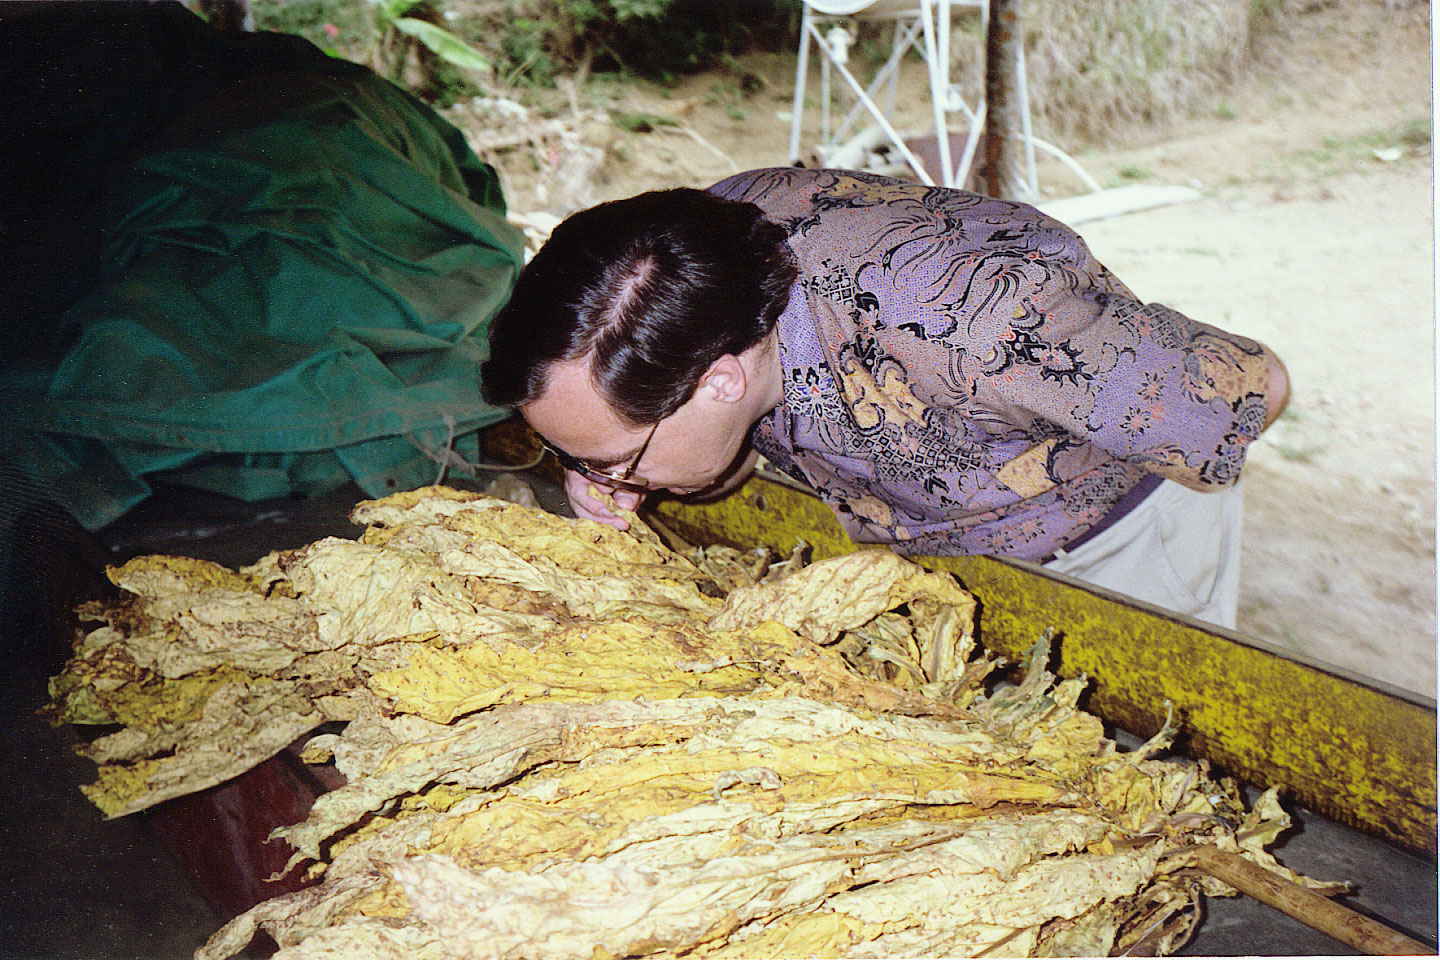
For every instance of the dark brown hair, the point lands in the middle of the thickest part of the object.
(652, 289)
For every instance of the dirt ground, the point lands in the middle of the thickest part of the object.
(1314, 233)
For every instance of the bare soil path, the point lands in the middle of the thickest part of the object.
(1317, 237)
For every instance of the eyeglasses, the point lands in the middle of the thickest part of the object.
(620, 481)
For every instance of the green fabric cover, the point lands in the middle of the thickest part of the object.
(295, 268)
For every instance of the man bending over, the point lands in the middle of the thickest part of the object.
(953, 374)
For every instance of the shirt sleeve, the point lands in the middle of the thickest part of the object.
(1141, 382)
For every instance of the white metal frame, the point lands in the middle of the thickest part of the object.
(923, 25)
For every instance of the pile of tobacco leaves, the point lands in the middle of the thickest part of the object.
(565, 741)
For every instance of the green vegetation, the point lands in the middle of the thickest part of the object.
(1416, 132)
(657, 40)
(438, 47)
(1411, 137)
(1098, 69)
(331, 25)
(527, 62)
(640, 122)
(727, 95)
(403, 40)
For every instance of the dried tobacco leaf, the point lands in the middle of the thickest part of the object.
(562, 744)
(240, 726)
(824, 599)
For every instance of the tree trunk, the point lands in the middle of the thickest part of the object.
(1002, 102)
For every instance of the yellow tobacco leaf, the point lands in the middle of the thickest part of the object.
(615, 660)
(566, 910)
(842, 593)
(953, 909)
(290, 919)
(598, 597)
(435, 501)
(582, 547)
(118, 786)
(158, 576)
(558, 747)
(817, 673)
(239, 727)
(793, 935)
(740, 769)
(486, 749)
(385, 839)
(1069, 747)
(730, 568)
(1262, 826)
(385, 902)
(365, 595)
(80, 692)
(695, 803)
(190, 615)
(147, 702)
(519, 834)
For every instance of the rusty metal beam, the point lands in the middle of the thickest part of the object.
(1360, 752)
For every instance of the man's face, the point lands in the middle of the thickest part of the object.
(688, 451)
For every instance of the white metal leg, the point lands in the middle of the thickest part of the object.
(802, 67)
(938, 88)
(896, 43)
(1069, 161)
(884, 122)
(1031, 179)
(972, 142)
(915, 28)
(907, 37)
(824, 49)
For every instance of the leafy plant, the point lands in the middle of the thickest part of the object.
(441, 42)
(333, 25)
(392, 23)
(524, 43)
(639, 9)
(661, 39)
(399, 39)
(1335, 155)
(728, 95)
(640, 122)
(1417, 132)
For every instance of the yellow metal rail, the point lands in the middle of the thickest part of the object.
(1358, 752)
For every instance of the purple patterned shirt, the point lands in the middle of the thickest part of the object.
(961, 376)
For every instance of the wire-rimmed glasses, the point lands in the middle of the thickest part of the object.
(620, 481)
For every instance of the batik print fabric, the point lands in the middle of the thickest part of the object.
(962, 376)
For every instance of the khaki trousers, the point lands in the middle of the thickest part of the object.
(1179, 549)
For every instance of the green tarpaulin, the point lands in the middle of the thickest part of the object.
(277, 275)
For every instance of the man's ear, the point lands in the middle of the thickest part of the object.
(724, 381)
